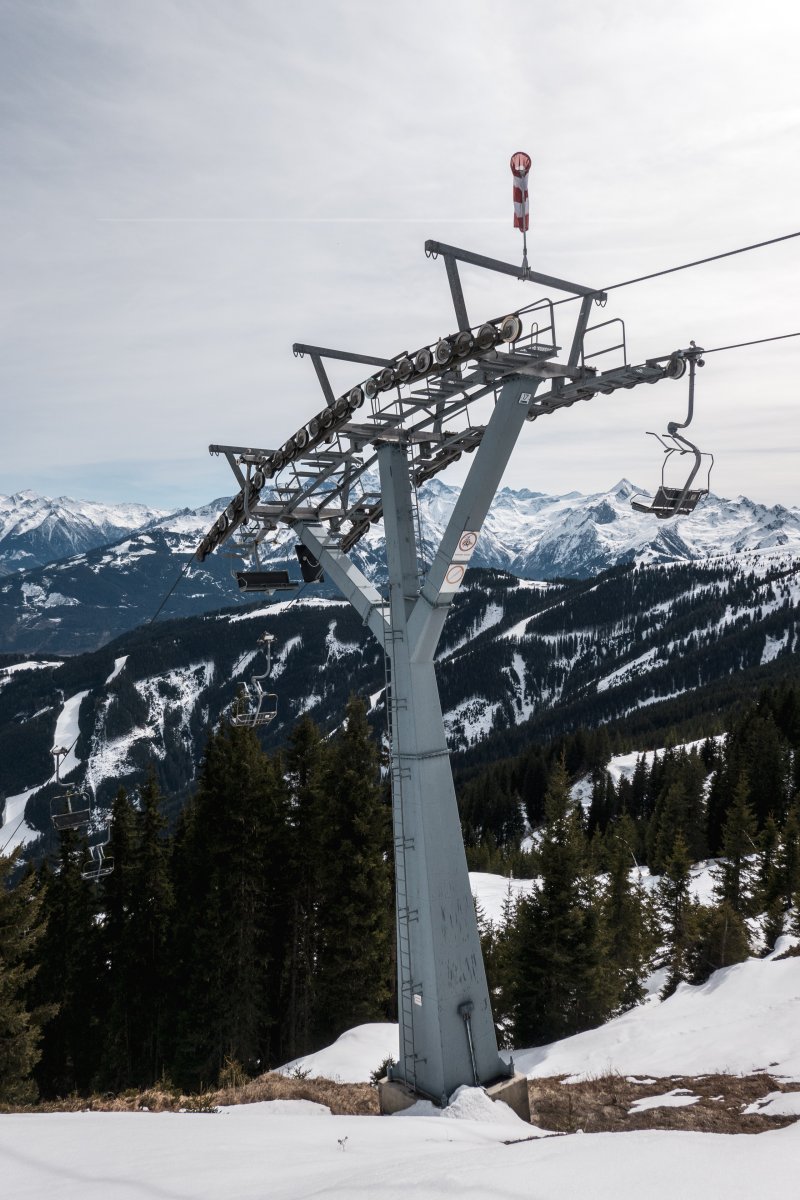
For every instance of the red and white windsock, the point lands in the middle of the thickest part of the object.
(520, 166)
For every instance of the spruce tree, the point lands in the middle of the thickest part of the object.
(147, 935)
(627, 925)
(558, 986)
(21, 928)
(679, 915)
(120, 969)
(70, 956)
(720, 939)
(306, 760)
(735, 874)
(354, 914)
(229, 918)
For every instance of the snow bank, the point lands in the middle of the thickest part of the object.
(491, 892)
(472, 1104)
(353, 1057)
(743, 1019)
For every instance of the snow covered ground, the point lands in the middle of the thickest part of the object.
(743, 1020)
(284, 1150)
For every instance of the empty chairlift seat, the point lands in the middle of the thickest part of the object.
(264, 581)
(669, 502)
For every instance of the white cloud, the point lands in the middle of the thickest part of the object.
(192, 186)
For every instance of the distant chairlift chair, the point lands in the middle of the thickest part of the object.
(98, 864)
(72, 809)
(254, 707)
(670, 501)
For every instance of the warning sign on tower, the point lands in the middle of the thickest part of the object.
(455, 573)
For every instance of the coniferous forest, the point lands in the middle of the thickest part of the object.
(260, 925)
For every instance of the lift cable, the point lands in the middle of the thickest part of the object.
(757, 342)
(179, 577)
(698, 262)
(46, 783)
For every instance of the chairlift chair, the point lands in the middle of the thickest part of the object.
(670, 501)
(264, 581)
(254, 707)
(256, 579)
(98, 865)
(72, 808)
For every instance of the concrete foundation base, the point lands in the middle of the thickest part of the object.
(514, 1093)
(394, 1096)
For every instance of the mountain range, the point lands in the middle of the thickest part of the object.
(78, 574)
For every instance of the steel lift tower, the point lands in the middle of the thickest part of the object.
(412, 417)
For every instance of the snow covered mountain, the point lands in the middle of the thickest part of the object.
(81, 601)
(35, 530)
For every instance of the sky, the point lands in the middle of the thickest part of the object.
(191, 186)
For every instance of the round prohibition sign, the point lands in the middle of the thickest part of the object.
(455, 574)
(466, 543)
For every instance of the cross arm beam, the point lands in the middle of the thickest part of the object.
(494, 264)
(450, 563)
(343, 572)
(299, 349)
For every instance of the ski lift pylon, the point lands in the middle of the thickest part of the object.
(671, 501)
(71, 809)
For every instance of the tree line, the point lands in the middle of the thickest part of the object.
(261, 926)
(614, 900)
(254, 932)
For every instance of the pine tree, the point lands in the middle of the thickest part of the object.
(627, 925)
(354, 915)
(788, 861)
(21, 927)
(720, 939)
(734, 877)
(230, 924)
(679, 914)
(120, 970)
(147, 939)
(70, 976)
(555, 947)
(306, 760)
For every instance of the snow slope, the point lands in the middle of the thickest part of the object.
(744, 1019)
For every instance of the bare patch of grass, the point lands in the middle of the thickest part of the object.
(602, 1105)
(343, 1099)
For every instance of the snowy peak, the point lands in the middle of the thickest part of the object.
(36, 530)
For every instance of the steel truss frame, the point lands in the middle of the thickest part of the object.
(471, 393)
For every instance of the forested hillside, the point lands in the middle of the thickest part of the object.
(640, 650)
(261, 927)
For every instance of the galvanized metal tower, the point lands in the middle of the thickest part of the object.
(421, 418)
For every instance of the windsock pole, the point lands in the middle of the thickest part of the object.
(520, 166)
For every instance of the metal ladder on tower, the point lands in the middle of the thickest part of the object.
(402, 846)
